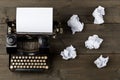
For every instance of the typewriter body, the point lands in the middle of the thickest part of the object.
(27, 40)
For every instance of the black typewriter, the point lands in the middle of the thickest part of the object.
(27, 40)
(27, 52)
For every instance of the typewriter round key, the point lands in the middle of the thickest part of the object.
(13, 57)
(27, 60)
(14, 66)
(31, 60)
(35, 63)
(19, 63)
(18, 66)
(25, 63)
(29, 57)
(11, 67)
(45, 57)
(16, 57)
(34, 60)
(32, 63)
(19, 57)
(26, 57)
(39, 57)
(32, 57)
(42, 57)
(41, 63)
(36, 57)
(40, 60)
(24, 67)
(15, 60)
(43, 66)
(18, 60)
(37, 66)
(13, 63)
(31, 67)
(11, 60)
(37, 60)
(23, 57)
(29, 63)
(22, 63)
(44, 61)
(27, 66)
(21, 67)
(16, 63)
(21, 60)
(34, 66)
(24, 60)
(40, 66)
(46, 67)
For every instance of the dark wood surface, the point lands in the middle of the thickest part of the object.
(81, 68)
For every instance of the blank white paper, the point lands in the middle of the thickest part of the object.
(35, 20)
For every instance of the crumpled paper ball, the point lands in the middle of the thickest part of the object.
(69, 53)
(93, 42)
(98, 14)
(75, 24)
(101, 61)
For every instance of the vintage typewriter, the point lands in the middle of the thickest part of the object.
(27, 40)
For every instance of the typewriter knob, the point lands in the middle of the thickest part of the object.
(11, 39)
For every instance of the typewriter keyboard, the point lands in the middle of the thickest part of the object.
(28, 63)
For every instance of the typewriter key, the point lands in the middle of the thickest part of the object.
(13, 57)
(11, 67)
(34, 66)
(41, 63)
(32, 63)
(31, 67)
(27, 60)
(43, 67)
(13, 63)
(46, 67)
(24, 60)
(22, 63)
(16, 57)
(21, 66)
(25, 63)
(14, 66)
(37, 60)
(18, 60)
(31, 60)
(18, 66)
(29, 57)
(19, 63)
(38, 63)
(19, 57)
(34, 60)
(40, 66)
(40, 60)
(32, 57)
(35, 63)
(15, 60)
(42, 57)
(23, 57)
(37, 66)
(27, 66)
(36, 57)
(39, 57)
(44, 61)
(29, 63)
(11, 60)
(26, 57)
(21, 60)
(45, 57)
